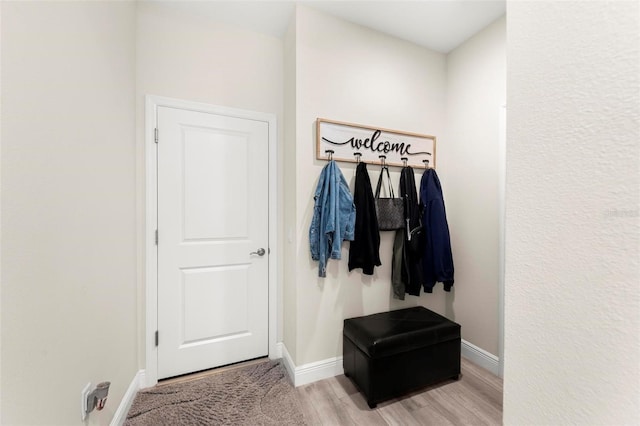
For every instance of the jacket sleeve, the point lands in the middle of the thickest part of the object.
(344, 214)
(441, 243)
(314, 229)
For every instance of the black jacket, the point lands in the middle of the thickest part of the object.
(406, 275)
(437, 259)
(364, 250)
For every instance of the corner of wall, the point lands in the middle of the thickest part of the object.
(470, 175)
(289, 194)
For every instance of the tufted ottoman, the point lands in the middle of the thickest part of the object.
(391, 353)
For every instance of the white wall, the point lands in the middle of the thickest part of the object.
(289, 191)
(0, 214)
(185, 55)
(572, 316)
(68, 208)
(350, 73)
(468, 168)
(182, 54)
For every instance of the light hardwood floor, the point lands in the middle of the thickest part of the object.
(475, 399)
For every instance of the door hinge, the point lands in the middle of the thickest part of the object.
(155, 134)
(156, 337)
(156, 237)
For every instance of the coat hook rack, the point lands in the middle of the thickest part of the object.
(329, 153)
(357, 155)
(383, 160)
(348, 139)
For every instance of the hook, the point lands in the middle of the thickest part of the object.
(426, 163)
(404, 161)
(357, 155)
(330, 154)
(383, 160)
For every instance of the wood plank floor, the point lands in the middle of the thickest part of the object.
(475, 399)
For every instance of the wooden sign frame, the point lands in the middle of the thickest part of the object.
(343, 141)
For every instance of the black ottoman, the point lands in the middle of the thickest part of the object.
(392, 353)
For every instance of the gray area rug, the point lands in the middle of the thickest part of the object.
(259, 394)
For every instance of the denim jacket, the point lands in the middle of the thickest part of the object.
(334, 216)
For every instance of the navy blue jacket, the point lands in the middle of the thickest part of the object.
(437, 260)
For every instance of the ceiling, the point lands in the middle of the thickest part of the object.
(439, 25)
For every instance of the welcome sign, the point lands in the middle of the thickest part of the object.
(347, 142)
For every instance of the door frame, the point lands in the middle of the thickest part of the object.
(152, 103)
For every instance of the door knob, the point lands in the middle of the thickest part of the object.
(260, 252)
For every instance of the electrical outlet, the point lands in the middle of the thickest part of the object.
(84, 395)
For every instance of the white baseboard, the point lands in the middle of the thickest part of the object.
(288, 363)
(313, 371)
(330, 367)
(123, 409)
(481, 358)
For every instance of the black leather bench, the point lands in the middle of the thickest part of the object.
(392, 353)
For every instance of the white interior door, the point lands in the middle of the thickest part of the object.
(212, 240)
